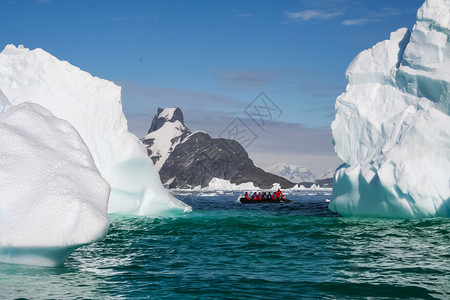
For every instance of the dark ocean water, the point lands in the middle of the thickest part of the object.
(228, 250)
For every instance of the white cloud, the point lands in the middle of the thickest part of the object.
(292, 143)
(244, 16)
(296, 144)
(279, 142)
(355, 14)
(306, 15)
(124, 19)
(352, 22)
(252, 79)
(140, 103)
(372, 16)
(157, 95)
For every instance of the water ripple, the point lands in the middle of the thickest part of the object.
(226, 250)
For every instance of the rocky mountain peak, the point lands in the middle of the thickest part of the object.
(165, 133)
(187, 160)
(165, 115)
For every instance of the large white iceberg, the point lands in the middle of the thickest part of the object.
(392, 125)
(52, 197)
(93, 106)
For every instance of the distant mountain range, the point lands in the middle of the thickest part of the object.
(327, 174)
(188, 160)
(291, 172)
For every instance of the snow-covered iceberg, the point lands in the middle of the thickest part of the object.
(392, 125)
(93, 106)
(218, 184)
(52, 197)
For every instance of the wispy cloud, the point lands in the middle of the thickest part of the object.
(141, 102)
(372, 16)
(297, 144)
(173, 97)
(352, 22)
(124, 19)
(319, 88)
(385, 12)
(306, 15)
(319, 83)
(252, 79)
(245, 16)
(353, 12)
(44, 1)
(310, 147)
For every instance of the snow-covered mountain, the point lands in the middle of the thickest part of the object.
(168, 130)
(188, 160)
(392, 125)
(328, 174)
(292, 172)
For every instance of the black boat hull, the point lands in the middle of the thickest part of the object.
(243, 200)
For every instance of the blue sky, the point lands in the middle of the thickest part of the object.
(212, 58)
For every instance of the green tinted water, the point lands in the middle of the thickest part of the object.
(229, 250)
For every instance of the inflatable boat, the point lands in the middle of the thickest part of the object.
(244, 200)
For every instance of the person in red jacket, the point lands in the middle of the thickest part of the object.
(246, 196)
(274, 196)
(279, 194)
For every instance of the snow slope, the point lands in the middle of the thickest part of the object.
(53, 199)
(291, 172)
(328, 174)
(4, 103)
(217, 184)
(93, 106)
(161, 142)
(392, 125)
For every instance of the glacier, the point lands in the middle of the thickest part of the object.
(93, 107)
(52, 196)
(392, 125)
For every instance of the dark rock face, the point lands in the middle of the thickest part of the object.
(327, 182)
(194, 159)
(200, 158)
(148, 144)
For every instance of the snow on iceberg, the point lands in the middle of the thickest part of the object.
(93, 106)
(53, 199)
(218, 184)
(392, 125)
(4, 103)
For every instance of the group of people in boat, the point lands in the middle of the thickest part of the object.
(261, 196)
